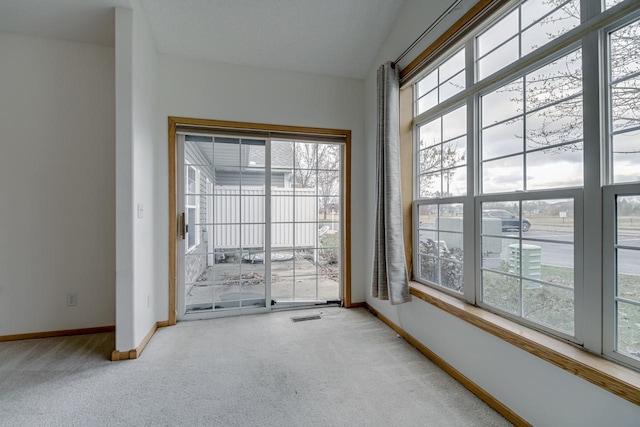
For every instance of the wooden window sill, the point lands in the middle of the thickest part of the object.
(608, 375)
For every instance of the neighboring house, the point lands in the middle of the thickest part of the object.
(233, 170)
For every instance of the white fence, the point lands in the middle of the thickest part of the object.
(232, 207)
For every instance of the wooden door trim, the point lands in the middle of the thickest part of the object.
(173, 122)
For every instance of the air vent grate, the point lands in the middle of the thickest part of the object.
(305, 318)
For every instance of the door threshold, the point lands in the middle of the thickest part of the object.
(301, 305)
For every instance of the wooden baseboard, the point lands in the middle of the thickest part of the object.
(63, 333)
(357, 305)
(117, 356)
(482, 394)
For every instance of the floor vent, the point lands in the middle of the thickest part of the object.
(305, 318)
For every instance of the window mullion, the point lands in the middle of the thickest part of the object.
(469, 240)
(590, 308)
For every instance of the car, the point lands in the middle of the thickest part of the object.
(509, 220)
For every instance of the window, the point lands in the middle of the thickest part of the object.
(530, 273)
(627, 256)
(528, 27)
(624, 89)
(442, 155)
(622, 195)
(512, 173)
(441, 84)
(441, 245)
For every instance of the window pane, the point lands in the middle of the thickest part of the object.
(305, 155)
(329, 157)
(428, 239)
(551, 219)
(628, 220)
(226, 151)
(629, 274)
(625, 104)
(428, 101)
(622, 43)
(451, 87)
(198, 150)
(430, 133)
(450, 217)
(503, 103)
(503, 139)
(427, 83)
(550, 27)
(628, 341)
(626, 157)
(454, 124)
(542, 21)
(611, 3)
(282, 154)
(532, 260)
(252, 153)
(497, 252)
(440, 245)
(557, 80)
(454, 182)
(428, 216)
(442, 83)
(556, 124)
(430, 185)
(430, 268)
(550, 262)
(501, 291)
(502, 175)
(430, 159)
(452, 66)
(533, 10)
(499, 58)
(557, 167)
(454, 152)
(498, 33)
(548, 305)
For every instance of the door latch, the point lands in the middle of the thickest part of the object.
(183, 226)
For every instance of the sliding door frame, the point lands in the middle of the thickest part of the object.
(174, 226)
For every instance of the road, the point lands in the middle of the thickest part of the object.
(558, 255)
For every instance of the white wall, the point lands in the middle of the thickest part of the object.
(190, 88)
(57, 185)
(136, 99)
(536, 390)
(145, 125)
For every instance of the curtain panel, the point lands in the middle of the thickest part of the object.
(390, 277)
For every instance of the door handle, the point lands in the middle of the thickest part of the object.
(183, 226)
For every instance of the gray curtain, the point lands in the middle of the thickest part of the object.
(390, 278)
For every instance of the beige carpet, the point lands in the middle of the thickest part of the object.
(346, 369)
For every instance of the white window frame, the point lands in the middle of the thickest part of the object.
(578, 255)
(593, 269)
(610, 192)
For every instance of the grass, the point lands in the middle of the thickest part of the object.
(553, 307)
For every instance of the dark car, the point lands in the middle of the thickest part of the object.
(509, 220)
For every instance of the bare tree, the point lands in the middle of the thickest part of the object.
(558, 85)
(440, 158)
(318, 165)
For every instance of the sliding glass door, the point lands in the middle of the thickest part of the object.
(261, 223)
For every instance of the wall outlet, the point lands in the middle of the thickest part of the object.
(72, 299)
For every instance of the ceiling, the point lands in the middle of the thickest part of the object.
(333, 37)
